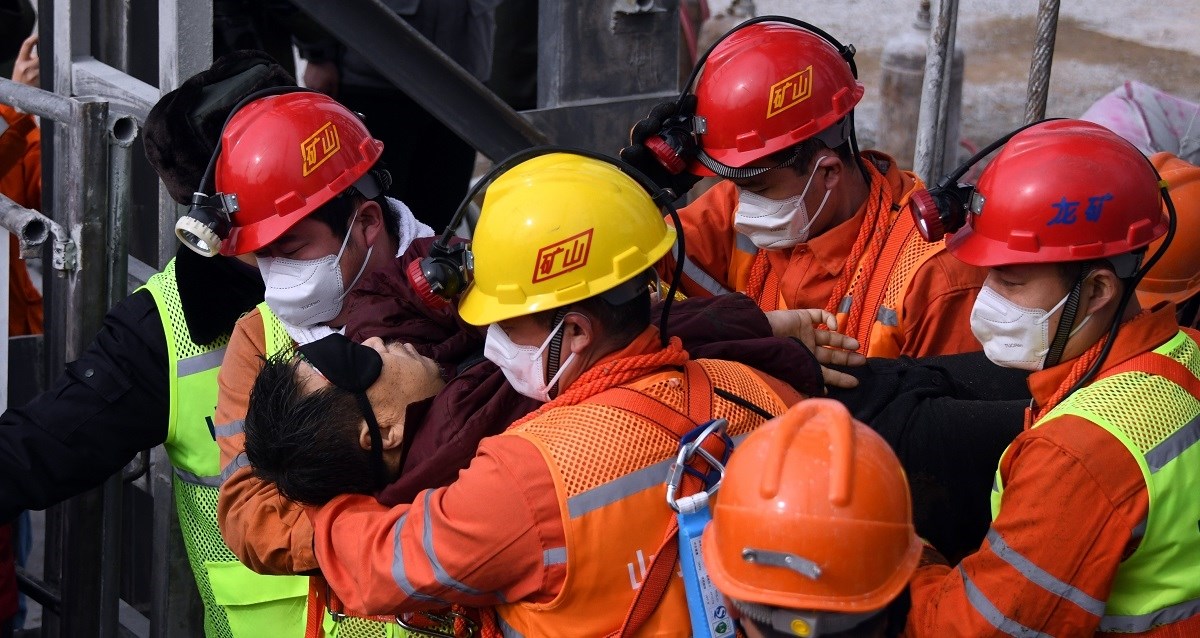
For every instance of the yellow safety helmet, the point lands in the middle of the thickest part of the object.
(557, 229)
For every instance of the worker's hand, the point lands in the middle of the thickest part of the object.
(830, 348)
(27, 69)
(643, 158)
(323, 77)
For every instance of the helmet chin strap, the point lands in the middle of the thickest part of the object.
(1065, 322)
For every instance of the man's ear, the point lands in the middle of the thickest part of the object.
(392, 435)
(829, 169)
(1103, 292)
(370, 215)
(579, 332)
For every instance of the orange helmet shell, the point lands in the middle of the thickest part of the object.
(767, 87)
(1176, 277)
(1061, 191)
(818, 485)
(285, 156)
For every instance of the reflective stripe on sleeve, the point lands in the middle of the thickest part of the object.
(399, 574)
(236, 464)
(232, 428)
(993, 615)
(1041, 577)
(439, 572)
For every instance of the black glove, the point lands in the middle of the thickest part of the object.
(671, 123)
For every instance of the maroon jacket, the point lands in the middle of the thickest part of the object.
(477, 401)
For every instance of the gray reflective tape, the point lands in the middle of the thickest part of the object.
(554, 556)
(236, 464)
(613, 491)
(993, 615)
(399, 574)
(845, 303)
(192, 479)
(1041, 577)
(996, 482)
(745, 244)
(703, 279)
(439, 572)
(887, 317)
(200, 363)
(1174, 445)
(1146, 622)
(230, 429)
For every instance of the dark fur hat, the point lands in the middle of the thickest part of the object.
(182, 130)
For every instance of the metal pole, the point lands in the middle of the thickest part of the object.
(1043, 57)
(442, 87)
(35, 101)
(31, 227)
(927, 161)
(87, 526)
(120, 165)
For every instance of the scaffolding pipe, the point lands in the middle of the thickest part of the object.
(86, 529)
(1043, 58)
(31, 227)
(935, 98)
(35, 101)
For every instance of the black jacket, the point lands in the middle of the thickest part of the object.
(112, 402)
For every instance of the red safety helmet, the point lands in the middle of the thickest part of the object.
(1061, 191)
(767, 87)
(1176, 276)
(285, 156)
(813, 514)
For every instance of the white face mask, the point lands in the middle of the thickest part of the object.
(776, 223)
(523, 366)
(1014, 336)
(304, 293)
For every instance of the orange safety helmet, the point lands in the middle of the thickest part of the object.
(1061, 191)
(813, 488)
(285, 156)
(1176, 277)
(766, 87)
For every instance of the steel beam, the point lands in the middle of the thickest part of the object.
(414, 65)
(127, 95)
(35, 101)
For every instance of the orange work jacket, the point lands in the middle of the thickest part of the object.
(917, 300)
(608, 466)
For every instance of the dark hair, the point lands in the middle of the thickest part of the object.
(621, 323)
(807, 150)
(305, 443)
(336, 212)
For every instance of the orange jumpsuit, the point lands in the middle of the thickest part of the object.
(931, 305)
(507, 533)
(1072, 496)
(21, 181)
(267, 532)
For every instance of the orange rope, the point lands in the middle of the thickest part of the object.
(612, 374)
(763, 284)
(859, 268)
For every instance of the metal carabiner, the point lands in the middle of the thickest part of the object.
(687, 451)
(441, 620)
